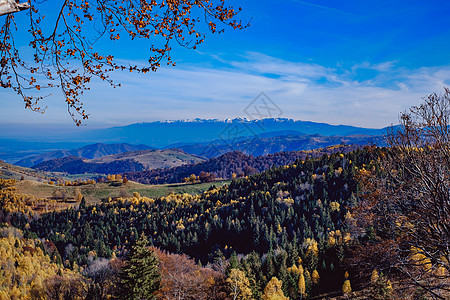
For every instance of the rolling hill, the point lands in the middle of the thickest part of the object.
(97, 192)
(125, 162)
(9, 171)
(153, 159)
(90, 152)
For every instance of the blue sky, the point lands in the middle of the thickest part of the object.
(341, 62)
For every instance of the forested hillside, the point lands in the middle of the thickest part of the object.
(231, 164)
(318, 227)
(286, 218)
(76, 165)
(28, 270)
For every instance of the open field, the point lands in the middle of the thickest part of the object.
(33, 185)
(94, 193)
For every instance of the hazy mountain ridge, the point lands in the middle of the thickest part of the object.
(162, 134)
(267, 144)
(192, 154)
(89, 152)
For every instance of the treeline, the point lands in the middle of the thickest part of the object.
(231, 164)
(287, 222)
(76, 165)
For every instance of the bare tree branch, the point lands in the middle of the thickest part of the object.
(64, 48)
(407, 198)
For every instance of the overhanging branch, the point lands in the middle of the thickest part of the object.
(11, 6)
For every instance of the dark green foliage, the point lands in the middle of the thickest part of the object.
(82, 204)
(267, 216)
(139, 278)
(76, 165)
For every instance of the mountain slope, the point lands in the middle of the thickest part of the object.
(232, 162)
(119, 163)
(153, 159)
(276, 217)
(9, 171)
(76, 165)
(89, 152)
(161, 134)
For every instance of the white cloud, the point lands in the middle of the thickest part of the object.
(302, 90)
(381, 67)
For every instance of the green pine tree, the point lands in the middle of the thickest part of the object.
(139, 278)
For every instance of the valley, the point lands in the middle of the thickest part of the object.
(224, 150)
(298, 215)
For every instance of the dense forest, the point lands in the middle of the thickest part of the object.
(231, 164)
(319, 227)
(28, 272)
(270, 225)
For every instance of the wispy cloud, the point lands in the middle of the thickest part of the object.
(322, 7)
(381, 67)
(303, 90)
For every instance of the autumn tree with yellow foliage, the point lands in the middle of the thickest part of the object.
(273, 290)
(346, 288)
(27, 272)
(239, 285)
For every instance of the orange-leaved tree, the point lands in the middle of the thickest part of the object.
(64, 38)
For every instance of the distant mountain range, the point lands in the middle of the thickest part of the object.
(119, 163)
(162, 134)
(77, 161)
(188, 135)
(89, 152)
(269, 143)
